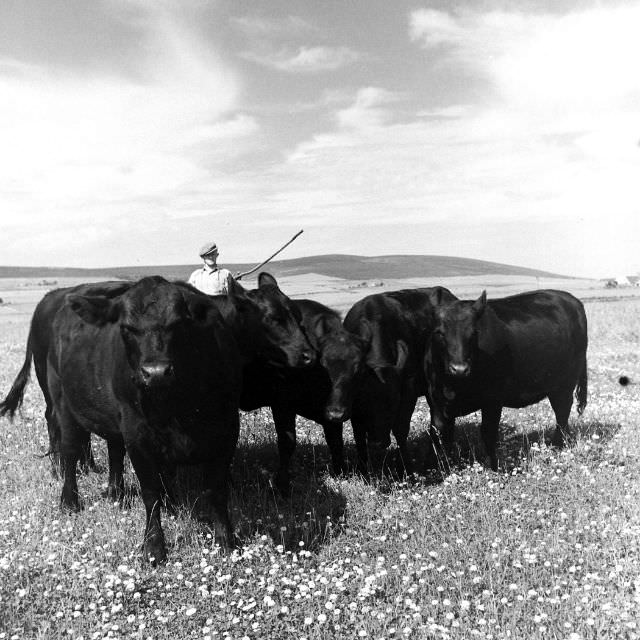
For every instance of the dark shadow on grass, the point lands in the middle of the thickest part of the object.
(313, 513)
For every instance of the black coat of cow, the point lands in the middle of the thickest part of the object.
(262, 320)
(38, 341)
(157, 370)
(322, 393)
(508, 352)
(395, 327)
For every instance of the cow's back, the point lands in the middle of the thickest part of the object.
(546, 343)
(45, 313)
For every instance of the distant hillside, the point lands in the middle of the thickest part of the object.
(336, 265)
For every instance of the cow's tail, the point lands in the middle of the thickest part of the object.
(581, 389)
(14, 398)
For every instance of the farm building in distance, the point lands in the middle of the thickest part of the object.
(623, 281)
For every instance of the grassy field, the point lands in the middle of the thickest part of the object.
(547, 548)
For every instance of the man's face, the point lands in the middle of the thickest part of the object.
(211, 259)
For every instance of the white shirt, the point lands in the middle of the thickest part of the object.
(212, 281)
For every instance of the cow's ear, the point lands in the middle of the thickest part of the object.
(321, 326)
(241, 302)
(480, 304)
(266, 279)
(402, 354)
(384, 369)
(96, 310)
(436, 297)
(235, 288)
(366, 333)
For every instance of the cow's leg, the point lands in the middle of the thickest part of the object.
(561, 402)
(154, 549)
(53, 427)
(490, 431)
(333, 436)
(359, 426)
(70, 449)
(115, 486)
(401, 426)
(87, 461)
(285, 423)
(212, 507)
(53, 430)
(168, 477)
(442, 434)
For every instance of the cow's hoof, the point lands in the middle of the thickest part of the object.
(558, 439)
(71, 505)
(155, 553)
(225, 541)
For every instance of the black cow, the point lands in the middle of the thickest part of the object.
(38, 342)
(508, 352)
(262, 321)
(395, 325)
(158, 370)
(322, 393)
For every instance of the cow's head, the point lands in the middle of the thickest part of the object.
(273, 325)
(454, 340)
(155, 322)
(342, 356)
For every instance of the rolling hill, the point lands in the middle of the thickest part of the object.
(349, 267)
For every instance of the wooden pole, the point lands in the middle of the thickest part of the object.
(284, 246)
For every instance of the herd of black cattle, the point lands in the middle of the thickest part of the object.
(159, 370)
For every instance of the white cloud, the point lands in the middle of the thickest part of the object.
(543, 62)
(553, 144)
(549, 148)
(79, 154)
(306, 59)
(367, 110)
(434, 27)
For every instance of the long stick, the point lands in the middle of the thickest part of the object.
(284, 246)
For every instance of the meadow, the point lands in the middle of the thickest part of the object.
(548, 548)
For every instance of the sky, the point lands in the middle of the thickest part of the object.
(133, 131)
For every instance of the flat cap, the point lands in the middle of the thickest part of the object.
(206, 249)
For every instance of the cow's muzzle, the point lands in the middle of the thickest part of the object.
(336, 414)
(159, 374)
(460, 370)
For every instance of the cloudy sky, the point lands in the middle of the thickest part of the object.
(131, 131)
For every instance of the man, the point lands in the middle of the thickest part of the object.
(211, 279)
